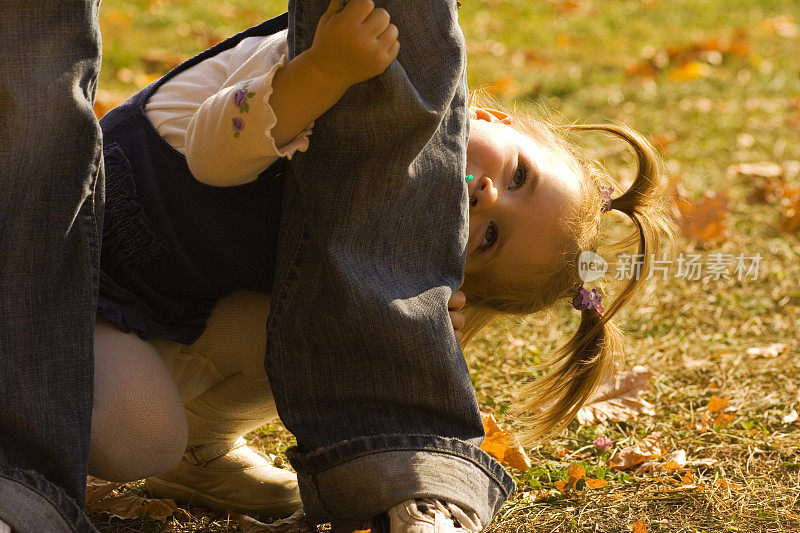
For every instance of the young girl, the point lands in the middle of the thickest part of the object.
(186, 275)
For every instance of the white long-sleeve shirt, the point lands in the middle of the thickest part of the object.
(217, 112)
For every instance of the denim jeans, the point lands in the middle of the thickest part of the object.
(51, 190)
(361, 355)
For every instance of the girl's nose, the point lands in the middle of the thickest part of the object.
(485, 194)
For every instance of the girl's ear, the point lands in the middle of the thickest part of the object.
(489, 115)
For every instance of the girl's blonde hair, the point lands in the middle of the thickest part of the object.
(595, 350)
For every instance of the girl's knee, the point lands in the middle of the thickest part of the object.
(139, 423)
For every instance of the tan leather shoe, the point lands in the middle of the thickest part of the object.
(227, 477)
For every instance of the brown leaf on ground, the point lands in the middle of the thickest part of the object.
(97, 489)
(790, 210)
(674, 461)
(502, 445)
(773, 350)
(617, 400)
(649, 448)
(128, 505)
(297, 523)
(725, 484)
(638, 527)
(705, 221)
(595, 483)
(715, 404)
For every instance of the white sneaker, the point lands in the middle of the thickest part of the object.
(430, 515)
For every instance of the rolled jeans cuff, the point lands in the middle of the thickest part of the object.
(362, 478)
(30, 503)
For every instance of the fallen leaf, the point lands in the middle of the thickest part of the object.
(128, 505)
(725, 484)
(707, 462)
(297, 523)
(690, 71)
(638, 527)
(97, 489)
(704, 221)
(576, 471)
(773, 350)
(649, 448)
(505, 85)
(724, 419)
(790, 418)
(617, 399)
(715, 404)
(790, 210)
(687, 478)
(595, 483)
(561, 486)
(502, 445)
(674, 461)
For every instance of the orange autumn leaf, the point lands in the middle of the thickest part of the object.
(561, 486)
(715, 404)
(502, 445)
(576, 471)
(595, 483)
(638, 527)
(505, 85)
(790, 210)
(705, 221)
(690, 71)
(724, 419)
(725, 484)
(649, 448)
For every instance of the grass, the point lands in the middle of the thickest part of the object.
(580, 57)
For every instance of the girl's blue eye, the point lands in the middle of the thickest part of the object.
(520, 177)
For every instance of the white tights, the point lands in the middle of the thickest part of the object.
(153, 398)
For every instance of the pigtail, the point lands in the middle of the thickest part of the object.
(594, 352)
(577, 369)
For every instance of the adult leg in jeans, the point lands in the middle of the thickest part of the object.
(361, 355)
(51, 203)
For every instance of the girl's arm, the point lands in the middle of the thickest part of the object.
(225, 141)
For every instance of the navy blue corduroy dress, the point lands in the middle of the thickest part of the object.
(173, 246)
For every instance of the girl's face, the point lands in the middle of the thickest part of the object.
(520, 196)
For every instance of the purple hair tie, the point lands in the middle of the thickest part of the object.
(585, 300)
(605, 196)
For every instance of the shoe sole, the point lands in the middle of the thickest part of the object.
(189, 496)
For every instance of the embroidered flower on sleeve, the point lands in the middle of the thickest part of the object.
(240, 98)
(238, 126)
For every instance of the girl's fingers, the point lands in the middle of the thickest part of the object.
(393, 51)
(359, 10)
(457, 318)
(377, 22)
(459, 336)
(389, 36)
(333, 8)
(457, 300)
